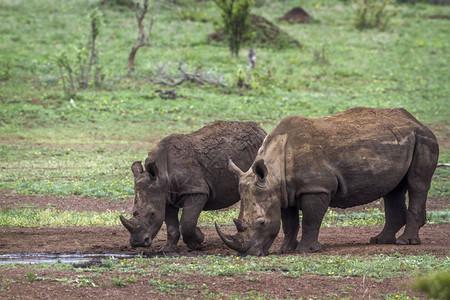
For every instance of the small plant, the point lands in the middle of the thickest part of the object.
(32, 276)
(372, 14)
(66, 72)
(86, 60)
(320, 55)
(131, 279)
(85, 281)
(5, 71)
(119, 282)
(96, 19)
(107, 263)
(236, 21)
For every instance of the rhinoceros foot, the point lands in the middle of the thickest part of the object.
(195, 246)
(405, 240)
(308, 247)
(168, 248)
(286, 248)
(382, 239)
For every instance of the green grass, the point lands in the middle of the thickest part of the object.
(29, 217)
(50, 217)
(376, 266)
(166, 272)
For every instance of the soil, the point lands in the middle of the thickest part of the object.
(353, 241)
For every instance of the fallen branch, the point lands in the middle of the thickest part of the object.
(196, 78)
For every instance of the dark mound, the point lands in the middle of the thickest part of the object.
(297, 15)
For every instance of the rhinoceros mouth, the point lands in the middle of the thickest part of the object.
(145, 243)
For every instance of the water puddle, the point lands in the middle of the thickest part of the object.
(36, 258)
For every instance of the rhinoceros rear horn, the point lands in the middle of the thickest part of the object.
(137, 168)
(234, 169)
(231, 241)
(126, 223)
(240, 225)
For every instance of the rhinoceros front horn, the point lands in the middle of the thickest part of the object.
(126, 223)
(234, 169)
(231, 241)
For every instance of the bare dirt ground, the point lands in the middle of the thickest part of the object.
(354, 241)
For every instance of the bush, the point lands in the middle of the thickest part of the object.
(436, 286)
(236, 21)
(372, 14)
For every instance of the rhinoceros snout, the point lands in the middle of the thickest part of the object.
(145, 242)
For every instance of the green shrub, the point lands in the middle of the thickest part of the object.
(236, 21)
(372, 14)
(436, 285)
(117, 2)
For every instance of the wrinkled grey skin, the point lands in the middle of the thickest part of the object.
(189, 171)
(348, 159)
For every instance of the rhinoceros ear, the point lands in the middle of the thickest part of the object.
(152, 169)
(260, 169)
(136, 168)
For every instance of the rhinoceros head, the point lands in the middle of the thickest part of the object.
(149, 205)
(262, 193)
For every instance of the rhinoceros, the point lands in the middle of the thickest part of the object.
(189, 171)
(344, 160)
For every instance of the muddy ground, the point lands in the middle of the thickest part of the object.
(14, 283)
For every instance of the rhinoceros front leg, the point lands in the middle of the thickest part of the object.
(291, 225)
(192, 207)
(173, 229)
(313, 208)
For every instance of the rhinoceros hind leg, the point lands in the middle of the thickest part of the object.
(415, 218)
(395, 214)
(419, 178)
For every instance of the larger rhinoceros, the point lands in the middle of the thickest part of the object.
(189, 171)
(348, 159)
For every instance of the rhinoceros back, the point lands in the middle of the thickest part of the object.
(357, 156)
(199, 160)
(214, 144)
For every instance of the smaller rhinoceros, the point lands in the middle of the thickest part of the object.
(189, 171)
(348, 159)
